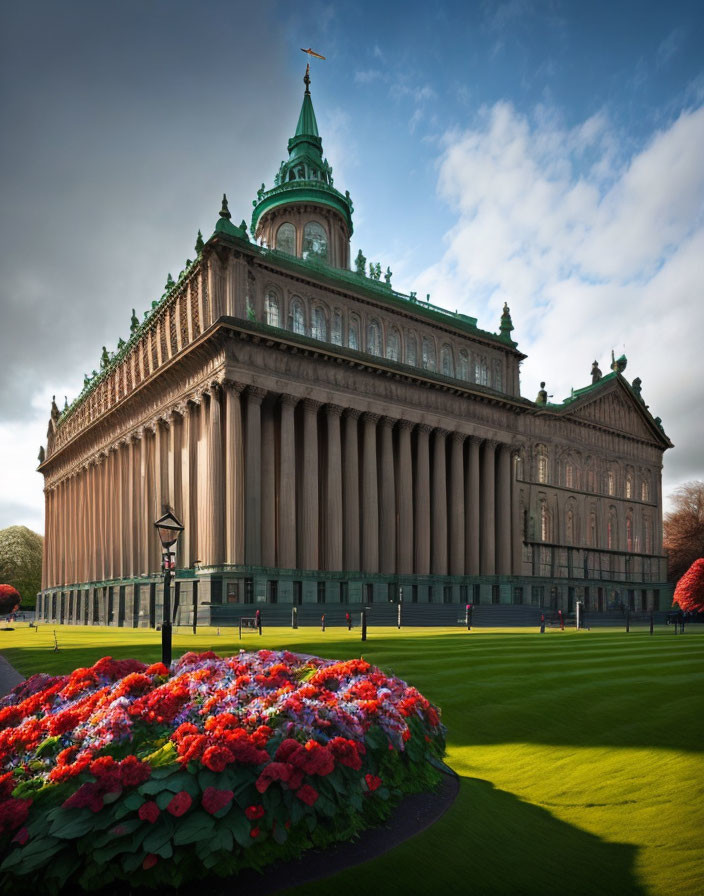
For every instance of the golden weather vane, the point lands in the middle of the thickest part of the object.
(306, 77)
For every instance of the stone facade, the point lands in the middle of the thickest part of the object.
(325, 439)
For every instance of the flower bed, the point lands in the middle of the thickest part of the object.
(128, 771)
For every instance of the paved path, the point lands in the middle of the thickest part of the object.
(9, 677)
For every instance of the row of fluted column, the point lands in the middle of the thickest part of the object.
(276, 481)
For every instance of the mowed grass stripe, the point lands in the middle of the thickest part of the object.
(580, 753)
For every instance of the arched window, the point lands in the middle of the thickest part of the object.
(353, 335)
(393, 345)
(629, 534)
(374, 338)
(569, 527)
(296, 317)
(629, 484)
(481, 372)
(273, 309)
(592, 529)
(648, 535)
(448, 367)
(428, 354)
(286, 239)
(610, 483)
(569, 476)
(542, 465)
(611, 539)
(463, 365)
(337, 328)
(498, 376)
(411, 350)
(644, 491)
(319, 329)
(544, 522)
(315, 241)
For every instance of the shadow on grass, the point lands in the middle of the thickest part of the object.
(491, 843)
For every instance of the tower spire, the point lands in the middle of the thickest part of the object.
(306, 78)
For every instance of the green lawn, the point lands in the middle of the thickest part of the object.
(580, 753)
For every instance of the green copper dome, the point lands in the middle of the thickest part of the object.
(306, 177)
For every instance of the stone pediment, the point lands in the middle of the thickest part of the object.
(617, 411)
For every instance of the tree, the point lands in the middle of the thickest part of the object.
(9, 599)
(684, 529)
(689, 593)
(21, 561)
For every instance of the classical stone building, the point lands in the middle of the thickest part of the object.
(327, 440)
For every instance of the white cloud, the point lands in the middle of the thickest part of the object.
(592, 249)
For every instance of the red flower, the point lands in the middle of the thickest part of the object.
(217, 758)
(318, 759)
(180, 804)
(254, 812)
(13, 814)
(307, 794)
(7, 784)
(156, 669)
(21, 837)
(107, 773)
(133, 772)
(275, 771)
(213, 799)
(346, 752)
(287, 748)
(150, 861)
(88, 796)
(373, 783)
(254, 833)
(149, 811)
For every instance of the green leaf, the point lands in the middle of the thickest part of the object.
(240, 827)
(133, 801)
(33, 855)
(74, 824)
(165, 755)
(159, 835)
(195, 826)
(280, 834)
(47, 746)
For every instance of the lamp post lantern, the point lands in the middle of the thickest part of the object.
(169, 529)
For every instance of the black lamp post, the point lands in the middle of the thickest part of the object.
(169, 529)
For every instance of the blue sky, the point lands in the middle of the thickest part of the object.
(543, 153)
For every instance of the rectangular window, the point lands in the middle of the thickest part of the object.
(344, 592)
(272, 588)
(447, 594)
(631, 599)
(369, 591)
(414, 594)
(430, 594)
(518, 595)
(233, 592)
(321, 592)
(477, 594)
(249, 591)
(463, 595)
(297, 593)
(495, 594)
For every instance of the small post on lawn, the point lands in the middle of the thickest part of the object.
(400, 604)
(294, 617)
(542, 623)
(258, 621)
(628, 621)
(169, 529)
(651, 623)
(240, 627)
(322, 623)
(364, 625)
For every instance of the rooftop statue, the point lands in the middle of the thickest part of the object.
(387, 276)
(360, 263)
(42, 454)
(596, 373)
(54, 409)
(120, 344)
(199, 243)
(618, 365)
(104, 359)
(506, 323)
(134, 323)
(542, 398)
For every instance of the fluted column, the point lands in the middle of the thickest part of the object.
(124, 522)
(268, 486)
(214, 505)
(253, 478)
(287, 485)
(176, 476)
(190, 481)
(370, 496)
(472, 510)
(487, 501)
(387, 500)
(457, 523)
(92, 523)
(503, 511)
(422, 501)
(333, 490)
(308, 520)
(147, 502)
(404, 562)
(438, 559)
(516, 540)
(234, 475)
(351, 492)
(132, 521)
(161, 468)
(102, 529)
(45, 545)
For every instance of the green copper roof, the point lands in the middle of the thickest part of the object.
(306, 177)
(307, 125)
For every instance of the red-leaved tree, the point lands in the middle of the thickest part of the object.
(689, 593)
(9, 599)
